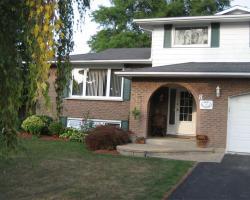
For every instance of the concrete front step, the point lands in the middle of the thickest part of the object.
(172, 142)
(178, 153)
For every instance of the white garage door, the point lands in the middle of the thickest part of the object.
(239, 124)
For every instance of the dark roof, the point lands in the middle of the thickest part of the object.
(115, 54)
(238, 67)
(198, 69)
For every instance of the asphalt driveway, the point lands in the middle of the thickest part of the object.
(228, 180)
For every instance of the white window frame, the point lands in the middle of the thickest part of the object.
(191, 26)
(85, 97)
(118, 122)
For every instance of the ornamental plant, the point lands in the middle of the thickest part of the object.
(33, 124)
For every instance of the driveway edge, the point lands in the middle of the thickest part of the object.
(165, 197)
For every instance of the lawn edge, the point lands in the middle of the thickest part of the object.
(167, 194)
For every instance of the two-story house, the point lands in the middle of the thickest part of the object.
(194, 80)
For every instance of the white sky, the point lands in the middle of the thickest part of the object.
(90, 28)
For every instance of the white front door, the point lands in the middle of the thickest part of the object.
(185, 114)
(238, 133)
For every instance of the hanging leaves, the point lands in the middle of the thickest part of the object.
(32, 33)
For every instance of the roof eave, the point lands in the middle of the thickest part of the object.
(185, 74)
(148, 23)
(137, 61)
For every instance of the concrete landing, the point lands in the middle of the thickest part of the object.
(172, 148)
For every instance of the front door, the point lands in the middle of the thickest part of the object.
(184, 113)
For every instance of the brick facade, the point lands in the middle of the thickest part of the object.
(99, 109)
(210, 122)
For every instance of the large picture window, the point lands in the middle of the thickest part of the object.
(188, 36)
(96, 83)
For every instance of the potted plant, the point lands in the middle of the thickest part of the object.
(136, 113)
(202, 140)
(140, 140)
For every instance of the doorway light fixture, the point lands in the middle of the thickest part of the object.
(218, 91)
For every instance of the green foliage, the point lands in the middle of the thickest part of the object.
(65, 46)
(33, 124)
(136, 113)
(11, 70)
(73, 135)
(56, 128)
(46, 119)
(32, 32)
(118, 29)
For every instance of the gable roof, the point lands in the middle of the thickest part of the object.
(235, 10)
(115, 55)
(193, 69)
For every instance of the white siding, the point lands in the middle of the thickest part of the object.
(234, 47)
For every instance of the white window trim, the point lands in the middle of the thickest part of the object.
(192, 45)
(100, 98)
(97, 120)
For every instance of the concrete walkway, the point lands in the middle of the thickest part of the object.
(172, 148)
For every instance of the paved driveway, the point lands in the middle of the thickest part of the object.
(228, 180)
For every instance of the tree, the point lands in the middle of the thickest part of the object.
(32, 33)
(118, 29)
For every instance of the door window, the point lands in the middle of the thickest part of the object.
(186, 106)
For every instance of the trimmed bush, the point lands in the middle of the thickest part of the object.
(33, 124)
(56, 128)
(46, 119)
(106, 137)
(73, 135)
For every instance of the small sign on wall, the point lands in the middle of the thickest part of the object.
(206, 104)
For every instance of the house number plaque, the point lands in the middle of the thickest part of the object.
(206, 104)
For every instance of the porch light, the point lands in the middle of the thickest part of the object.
(218, 91)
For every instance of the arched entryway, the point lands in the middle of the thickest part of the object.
(172, 111)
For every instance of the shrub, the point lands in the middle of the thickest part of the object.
(73, 135)
(33, 124)
(56, 128)
(106, 137)
(47, 120)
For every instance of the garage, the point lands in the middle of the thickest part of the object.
(238, 138)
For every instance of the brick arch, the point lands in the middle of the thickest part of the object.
(183, 85)
(142, 100)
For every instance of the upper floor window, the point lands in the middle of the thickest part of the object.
(191, 36)
(96, 83)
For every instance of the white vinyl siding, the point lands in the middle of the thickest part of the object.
(234, 47)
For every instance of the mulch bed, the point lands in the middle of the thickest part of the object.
(42, 137)
(110, 152)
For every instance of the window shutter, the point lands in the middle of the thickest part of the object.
(168, 35)
(215, 35)
(172, 106)
(126, 89)
(125, 125)
(63, 120)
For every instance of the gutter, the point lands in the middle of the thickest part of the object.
(136, 61)
(185, 74)
(213, 18)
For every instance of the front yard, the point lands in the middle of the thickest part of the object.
(66, 170)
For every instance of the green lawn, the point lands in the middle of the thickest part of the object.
(66, 170)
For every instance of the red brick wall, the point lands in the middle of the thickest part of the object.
(210, 122)
(107, 110)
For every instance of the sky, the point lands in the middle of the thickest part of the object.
(90, 28)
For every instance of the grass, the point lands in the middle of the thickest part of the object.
(66, 170)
